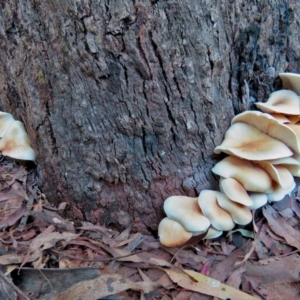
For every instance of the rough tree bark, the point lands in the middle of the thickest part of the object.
(124, 101)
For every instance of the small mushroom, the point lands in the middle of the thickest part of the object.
(239, 213)
(6, 121)
(172, 233)
(219, 218)
(278, 193)
(292, 164)
(235, 191)
(282, 119)
(291, 81)
(278, 173)
(252, 177)
(283, 101)
(270, 126)
(245, 141)
(15, 143)
(187, 212)
(258, 199)
(212, 233)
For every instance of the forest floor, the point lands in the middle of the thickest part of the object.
(44, 256)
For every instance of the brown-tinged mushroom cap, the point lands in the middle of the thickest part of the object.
(239, 213)
(252, 177)
(282, 119)
(15, 143)
(291, 81)
(187, 212)
(293, 119)
(278, 192)
(245, 141)
(278, 173)
(270, 126)
(219, 218)
(283, 101)
(172, 233)
(6, 121)
(258, 199)
(235, 191)
(290, 163)
(212, 233)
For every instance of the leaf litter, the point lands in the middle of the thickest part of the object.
(45, 256)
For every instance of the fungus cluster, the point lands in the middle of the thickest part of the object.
(14, 140)
(264, 156)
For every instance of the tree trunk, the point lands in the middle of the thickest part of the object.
(124, 101)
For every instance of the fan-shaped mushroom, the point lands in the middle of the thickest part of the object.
(235, 191)
(252, 177)
(219, 218)
(283, 101)
(245, 141)
(172, 233)
(239, 213)
(291, 81)
(187, 212)
(270, 126)
(15, 143)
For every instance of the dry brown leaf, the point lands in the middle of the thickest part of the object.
(221, 270)
(14, 217)
(20, 190)
(44, 241)
(12, 258)
(103, 286)
(235, 278)
(281, 227)
(205, 285)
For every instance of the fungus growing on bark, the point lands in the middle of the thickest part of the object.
(283, 101)
(291, 81)
(270, 126)
(245, 141)
(172, 233)
(278, 173)
(252, 177)
(212, 233)
(240, 214)
(219, 218)
(264, 155)
(187, 212)
(15, 143)
(258, 199)
(235, 191)
(6, 121)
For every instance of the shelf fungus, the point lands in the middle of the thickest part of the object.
(14, 141)
(263, 149)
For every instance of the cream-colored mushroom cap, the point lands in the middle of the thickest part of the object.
(187, 212)
(245, 141)
(270, 126)
(239, 213)
(15, 143)
(293, 119)
(258, 199)
(252, 177)
(219, 218)
(292, 164)
(283, 101)
(280, 118)
(278, 173)
(212, 233)
(6, 121)
(291, 81)
(278, 193)
(172, 233)
(235, 191)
